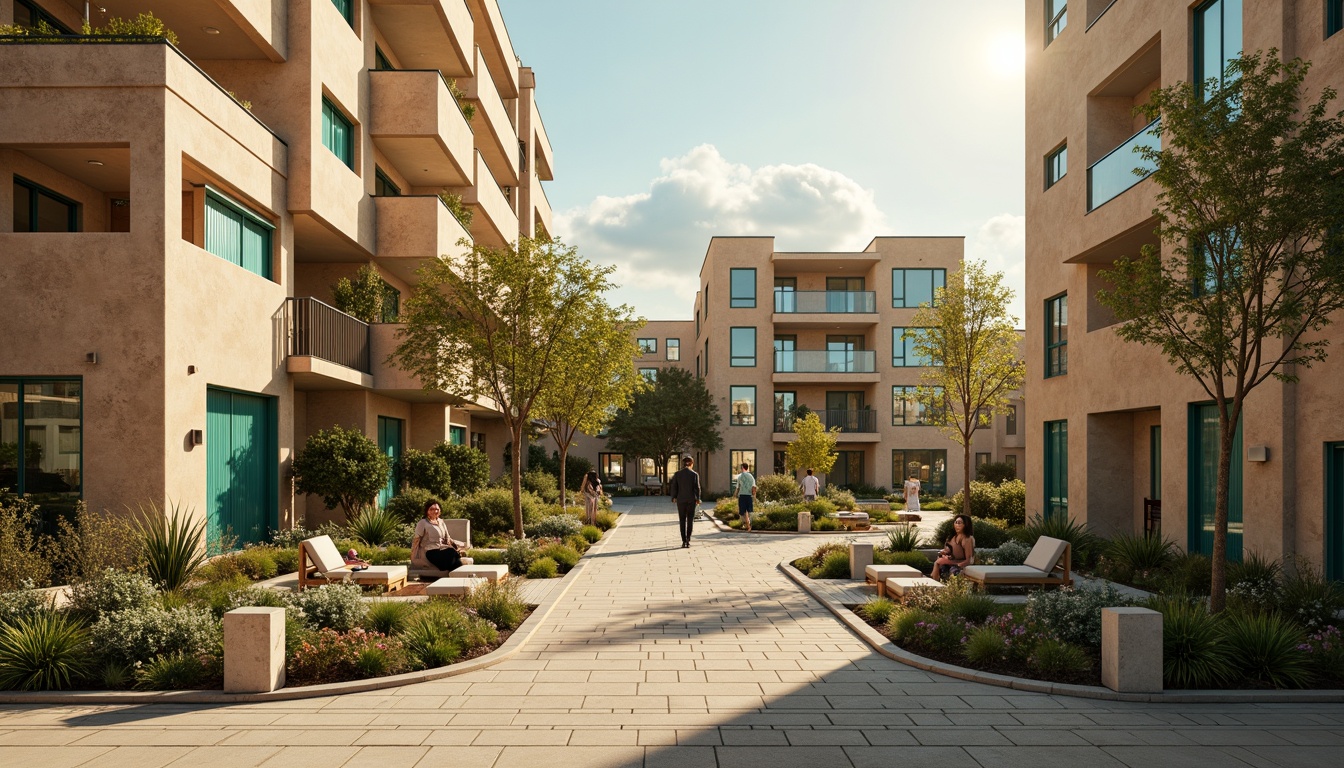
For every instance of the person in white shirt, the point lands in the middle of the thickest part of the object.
(912, 494)
(811, 486)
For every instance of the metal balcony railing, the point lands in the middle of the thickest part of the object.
(319, 330)
(821, 302)
(863, 420)
(826, 361)
(1118, 170)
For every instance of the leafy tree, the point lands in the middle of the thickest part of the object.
(814, 448)
(344, 467)
(1248, 216)
(675, 415)
(364, 297)
(427, 470)
(598, 377)
(969, 337)
(468, 468)
(491, 322)
(996, 472)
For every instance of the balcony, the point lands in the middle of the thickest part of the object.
(327, 349)
(414, 229)
(826, 361)
(861, 421)
(494, 223)
(496, 135)
(1110, 176)
(427, 34)
(493, 36)
(824, 309)
(209, 30)
(416, 123)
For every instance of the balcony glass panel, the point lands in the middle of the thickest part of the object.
(826, 361)
(1115, 173)
(837, 302)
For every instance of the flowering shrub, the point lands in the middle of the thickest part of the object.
(556, 527)
(113, 591)
(1325, 648)
(1074, 614)
(332, 606)
(23, 603)
(1011, 552)
(139, 635)
(332, 656)
(519, 555)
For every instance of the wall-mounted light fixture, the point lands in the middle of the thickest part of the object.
(91, 358)
(198, 437)
(191, 369)
(1257, 453)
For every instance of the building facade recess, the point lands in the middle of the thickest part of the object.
(1117, 439)
(173, 219)
(774, 330)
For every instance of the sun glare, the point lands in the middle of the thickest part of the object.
(1007, 56)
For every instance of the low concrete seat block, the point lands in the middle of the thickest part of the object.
(900, 586)
(878, 574)
(254, 650)
(1131, 650)
(453, 586)
(860, 559)
(488, 572)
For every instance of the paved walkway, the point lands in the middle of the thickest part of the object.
(661, 656)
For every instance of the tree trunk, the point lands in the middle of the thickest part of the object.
(564, 454)
(516, 468)
(966, 467)
(1218, 584)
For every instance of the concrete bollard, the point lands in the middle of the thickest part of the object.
(254, 650)
(1131, 650)
(804, 522)
(860, 557)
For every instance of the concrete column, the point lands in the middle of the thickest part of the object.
(1131, 650)
(254, 650)
(860, 557)
(804, 522)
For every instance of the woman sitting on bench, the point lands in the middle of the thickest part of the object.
(431, 538)
(959, 551)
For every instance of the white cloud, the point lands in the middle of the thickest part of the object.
(1001, 243)
(657, 239)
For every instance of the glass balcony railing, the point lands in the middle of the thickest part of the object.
(1113, 174)
(842, 302)
(826, 361)
(864, 420)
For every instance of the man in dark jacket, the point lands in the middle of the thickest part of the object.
(685, 491)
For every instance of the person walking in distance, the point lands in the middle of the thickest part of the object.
(685, 492)
(811, 486)
(912, 494)
(745, 485)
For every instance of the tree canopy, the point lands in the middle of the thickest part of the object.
(971, 340)
(1250, 264)
(814, 446)
(673, 416)
(343, 466)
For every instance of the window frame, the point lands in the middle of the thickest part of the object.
(736, 457)
(932, 417)
(733, 358)
(650, 375)
(741, 302)
(669, 345)
(380, 61)
(937, 279)
(1199, 42)
(733, 419)
(1056, 24)
(21, 427)
(40, 15)
(1056, 159)
(1056, 351)
(1056, 468)
(649, 348)
(347, 10)
(1010, 421)
(380, 177)
(1334, 17)
(934, 455)
(898, 342)
(74, 218)
(333, 115)
(248, 216)
(604, 461)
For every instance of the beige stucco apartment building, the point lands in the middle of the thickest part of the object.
(167, 255)
(1111, 424)
(773, 329)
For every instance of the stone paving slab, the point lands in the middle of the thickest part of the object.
(662, 656)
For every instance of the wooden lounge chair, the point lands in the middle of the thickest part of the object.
(321, 563)
(1049, 564)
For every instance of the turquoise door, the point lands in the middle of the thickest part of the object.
(1056, 470)
(240, 467)
(1334, 511)
(389, 440)
(1203, 483)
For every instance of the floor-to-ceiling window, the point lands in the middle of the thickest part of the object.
(391, 434)
(1334, 511)
(41, 442)
(1217, 41)
(1202, 467)
(1056, 469)
(929, 465)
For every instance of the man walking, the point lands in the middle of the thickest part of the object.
(745, 485)
(811, 485)
(685, 492)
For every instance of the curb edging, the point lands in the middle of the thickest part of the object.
(884, 646)
(511, 647)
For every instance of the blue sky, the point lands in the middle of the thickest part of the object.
(824, 123)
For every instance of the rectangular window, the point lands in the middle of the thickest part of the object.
(903, 354)
(981, 458)
(742, 347)
(1056, 469)
(1010, 421)
(380, 60)
(347, 9)
(29, 14)
(912, 288)
(1057, 336)
(612, 467)
(786, 298)
(1011, 460)
(1056, 18)
(1056, 165)
(742, 283)
(1155, 462)
(650, 374)
(38, 209)
(785, 403)
(338, 134)
(706, 357)
(930, 466)
(742, 406)
(848, 469)
(786, 354)
(673, 347)
(41, 443)
(1217, 41)
(391, 304)
(478, 441)
(236, 234)
(457, 435)
(383, 185)
(738, 458)
(648, 346)
(779, 463)
(908, 411)
(1334, 16)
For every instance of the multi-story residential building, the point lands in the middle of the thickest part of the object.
(774, 330)
(168, 251)
(1112, 426)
